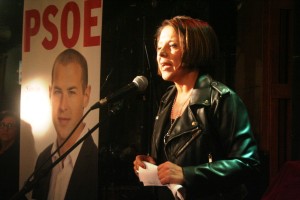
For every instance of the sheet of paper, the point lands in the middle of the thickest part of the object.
(149, 177)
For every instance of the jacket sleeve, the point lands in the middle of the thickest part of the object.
(239, 160)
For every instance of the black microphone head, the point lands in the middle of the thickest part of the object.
(141, 82)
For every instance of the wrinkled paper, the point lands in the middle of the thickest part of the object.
(149, 177)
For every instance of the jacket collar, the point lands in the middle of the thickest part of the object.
(200, 94)
(201, 91)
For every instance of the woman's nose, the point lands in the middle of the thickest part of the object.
(162, 52)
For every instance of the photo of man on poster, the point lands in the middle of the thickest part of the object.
(75, 177)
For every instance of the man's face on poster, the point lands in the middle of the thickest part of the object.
(68, 98)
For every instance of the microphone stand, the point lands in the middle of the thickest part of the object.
(28, 186)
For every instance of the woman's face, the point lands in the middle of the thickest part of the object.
(8, 129)
(169, 54)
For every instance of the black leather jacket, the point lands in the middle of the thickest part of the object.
(212, 141)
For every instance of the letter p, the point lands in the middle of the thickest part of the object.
(31, 27)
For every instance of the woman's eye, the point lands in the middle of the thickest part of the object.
(173, 45)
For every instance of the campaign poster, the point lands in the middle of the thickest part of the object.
(50, 27)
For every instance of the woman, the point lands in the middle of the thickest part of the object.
(9, 154)
(202, 137)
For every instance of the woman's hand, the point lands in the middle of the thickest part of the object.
(138, 162)
(170, 173)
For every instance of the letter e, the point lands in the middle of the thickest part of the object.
(90, 21)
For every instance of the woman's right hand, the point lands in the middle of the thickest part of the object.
(138, 162)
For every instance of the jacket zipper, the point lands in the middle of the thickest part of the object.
(194, 135)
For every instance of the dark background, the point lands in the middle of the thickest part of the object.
(260, 51)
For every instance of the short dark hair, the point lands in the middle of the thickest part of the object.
(69, 56)
(197, 39)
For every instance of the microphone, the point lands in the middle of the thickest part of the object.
(139, 83)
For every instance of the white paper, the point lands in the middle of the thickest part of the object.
(149, 177)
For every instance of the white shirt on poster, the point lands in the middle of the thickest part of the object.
(61, 173)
